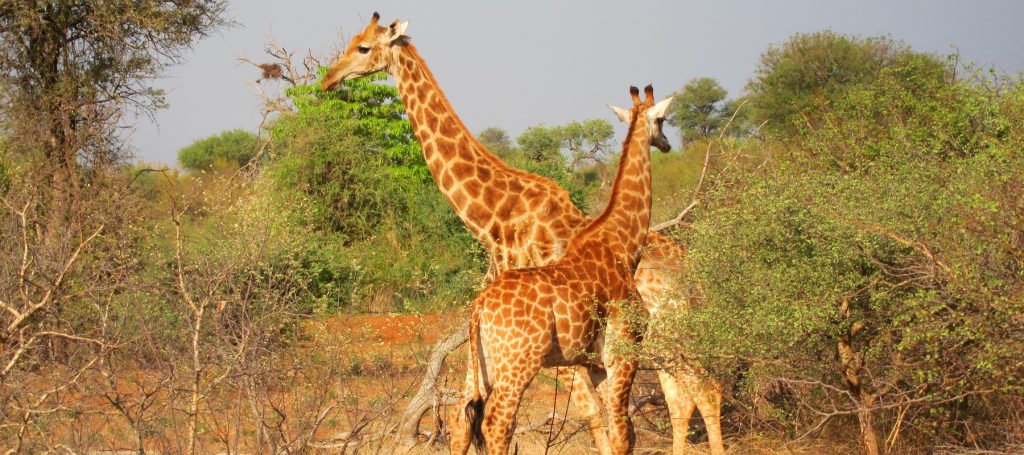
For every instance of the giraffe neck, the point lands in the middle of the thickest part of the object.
(492, 199)
(627, 216)
(459, 164)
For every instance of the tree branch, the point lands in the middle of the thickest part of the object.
(700, 181)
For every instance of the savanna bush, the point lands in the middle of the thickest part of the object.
(871, 270)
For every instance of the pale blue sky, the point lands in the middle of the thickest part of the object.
(527, 62)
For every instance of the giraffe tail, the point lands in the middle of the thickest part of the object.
(475, 407)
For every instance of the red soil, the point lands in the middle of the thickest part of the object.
(391, 328)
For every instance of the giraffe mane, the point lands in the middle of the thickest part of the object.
(491, 157)
(633, 119)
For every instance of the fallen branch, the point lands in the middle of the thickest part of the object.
(408, 428)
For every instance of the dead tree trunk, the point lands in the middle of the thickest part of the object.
(409, 427)
(852, 364)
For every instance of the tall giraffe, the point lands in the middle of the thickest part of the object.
(572, 311)
(522, 219)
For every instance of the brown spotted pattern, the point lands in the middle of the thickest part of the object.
(569, 312)
(523, 220)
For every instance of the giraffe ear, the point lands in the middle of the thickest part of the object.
(659, 110)
(621, 113)
(396, 33)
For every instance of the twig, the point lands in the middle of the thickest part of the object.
(538, 424)
(703, 174)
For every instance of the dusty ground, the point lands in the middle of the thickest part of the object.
(404, 340)
(342, 389)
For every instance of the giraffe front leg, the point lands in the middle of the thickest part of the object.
(588, 404)
(616, 397)
(621, 373)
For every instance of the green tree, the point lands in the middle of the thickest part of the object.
(587, 141)
(497, 141)
(699, 109)
(70, 69)
(809, 67)
(347, 167)
(351, 152)
(235, 146)
(579, 142)
(541, 144)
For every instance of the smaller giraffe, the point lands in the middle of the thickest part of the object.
(570, 312)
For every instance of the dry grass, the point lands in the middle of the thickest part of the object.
(342, 391)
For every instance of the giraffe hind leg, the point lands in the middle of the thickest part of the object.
(706, 394)
(709, 402)
(460, 424)
(499, 420)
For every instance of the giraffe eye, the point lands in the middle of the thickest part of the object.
(363, 49)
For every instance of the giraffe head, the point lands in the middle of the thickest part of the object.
(371, 51)
(654, 115)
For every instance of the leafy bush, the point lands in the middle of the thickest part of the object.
(347, 167)
(371, 112)
(346, 186)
